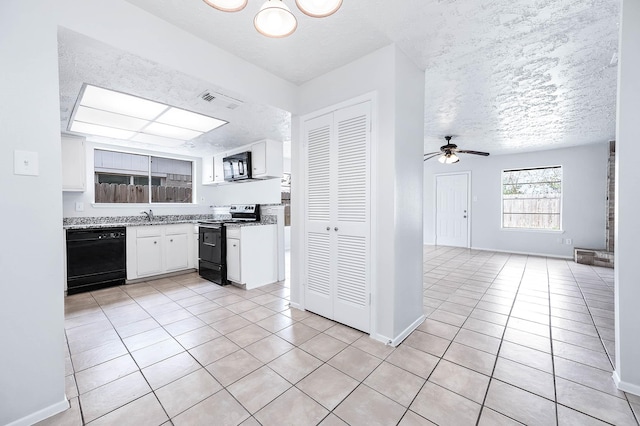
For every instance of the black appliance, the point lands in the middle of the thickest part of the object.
(212, 242)
(96, 258)
(212, 252)
(237, 167)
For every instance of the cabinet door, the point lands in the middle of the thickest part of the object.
(259, 158)
(176, 252)
(73, 164)
(218, 168)
(233, 260)
(207, 169)
(149, 256)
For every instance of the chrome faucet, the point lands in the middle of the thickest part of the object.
(149, 214)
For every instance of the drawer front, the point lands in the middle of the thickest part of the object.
(177, 229)
(233, 232)
(149, 231)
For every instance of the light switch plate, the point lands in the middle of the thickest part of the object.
(25, 163)
(79, 206)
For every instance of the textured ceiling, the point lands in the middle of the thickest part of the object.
(85, 60)
(500, 75)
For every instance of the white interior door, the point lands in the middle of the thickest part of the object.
(337, 223)
(320, 274)
(352, 229)
(452, 210)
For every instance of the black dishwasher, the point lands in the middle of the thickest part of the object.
(96, 258)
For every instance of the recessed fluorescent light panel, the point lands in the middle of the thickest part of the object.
(103, 112)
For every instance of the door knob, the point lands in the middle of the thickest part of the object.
(335, 229)
(328, 228)
(465, 216)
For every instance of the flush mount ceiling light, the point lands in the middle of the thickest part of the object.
(274, 18)
(107, 113)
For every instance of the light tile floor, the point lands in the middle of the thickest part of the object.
(509, 339)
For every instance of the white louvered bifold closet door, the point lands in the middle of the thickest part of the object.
(318, 140)
(338, 215)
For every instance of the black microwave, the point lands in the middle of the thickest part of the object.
(237, 166)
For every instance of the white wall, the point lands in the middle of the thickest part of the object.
(379, 71)
(31, 306)
(627, 231)
(255, 191)
(31, 258)
(584, 172)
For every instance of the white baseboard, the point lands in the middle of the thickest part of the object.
(40, 415)
(625, 386)
(526, 253)
(296, 305)
(400, 337)
(407, 331)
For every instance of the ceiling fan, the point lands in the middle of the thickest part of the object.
(448, 153)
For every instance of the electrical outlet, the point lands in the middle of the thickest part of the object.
(79, 206)
(568, 241)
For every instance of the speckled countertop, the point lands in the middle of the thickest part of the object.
(123, 221)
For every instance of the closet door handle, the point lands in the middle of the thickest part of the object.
(335, 229)
(328, 228)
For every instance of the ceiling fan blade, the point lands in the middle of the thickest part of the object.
(434, 154)
(473, 152)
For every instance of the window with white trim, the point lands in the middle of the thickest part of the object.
(532, 198)
(122, 177)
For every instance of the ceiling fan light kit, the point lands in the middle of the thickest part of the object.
(227, 5)
(447, 153)
(275, 18)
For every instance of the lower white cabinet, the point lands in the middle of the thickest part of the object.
(252, 255)
(233, 260)
(158, 249)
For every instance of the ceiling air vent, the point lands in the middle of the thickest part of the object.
(220, 100)
(207, 96)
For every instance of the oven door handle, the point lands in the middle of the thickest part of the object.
(209, 244)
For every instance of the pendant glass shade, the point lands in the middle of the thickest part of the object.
(319, 8)
(275, 19)
(449, 158)
(227, 5)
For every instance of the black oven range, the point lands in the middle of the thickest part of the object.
(212, 239)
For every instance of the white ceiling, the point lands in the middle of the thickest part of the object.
(501, 75)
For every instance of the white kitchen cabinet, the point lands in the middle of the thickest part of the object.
(252, 255)
(73, 163)
(207, 169)
(176, 251)
(337, 149)
(212, 169)
(159, 249)
(233, 260)
(148, 256)
(266, 159)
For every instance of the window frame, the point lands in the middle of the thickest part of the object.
(560, 229)
(149, 155)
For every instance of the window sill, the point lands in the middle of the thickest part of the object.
(141, 205)
(538, 231)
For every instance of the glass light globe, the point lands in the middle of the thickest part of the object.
(275, 19)
(318, 8)
(227, 5)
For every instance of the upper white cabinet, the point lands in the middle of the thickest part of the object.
(73, 163)
(266, 159)
(212, 171)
